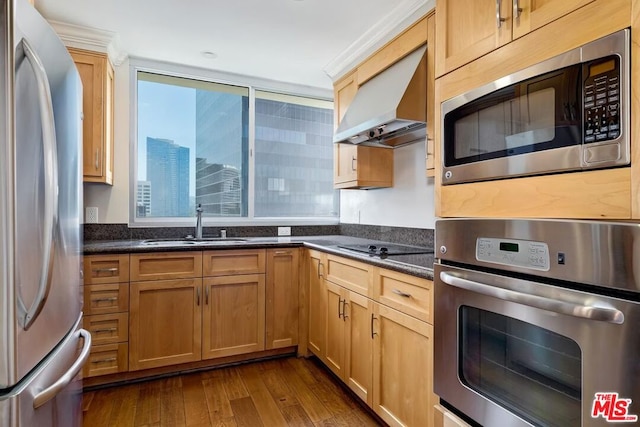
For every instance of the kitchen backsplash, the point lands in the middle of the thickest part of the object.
(410, 236)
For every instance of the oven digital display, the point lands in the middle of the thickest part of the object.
(509, 247)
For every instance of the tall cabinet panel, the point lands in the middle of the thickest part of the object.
(96, 73)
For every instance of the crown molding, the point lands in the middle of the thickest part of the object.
(405, 14)
(91, 39)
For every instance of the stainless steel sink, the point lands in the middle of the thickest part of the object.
(192, 242)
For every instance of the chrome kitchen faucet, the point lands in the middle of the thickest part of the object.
(199, 221)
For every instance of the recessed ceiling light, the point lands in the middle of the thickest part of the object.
(208, 54)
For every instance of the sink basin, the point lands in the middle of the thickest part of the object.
(191, 242)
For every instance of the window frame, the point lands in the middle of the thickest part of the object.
(253, 84)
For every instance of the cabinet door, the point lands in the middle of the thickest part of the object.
(335, 351)
(96, 74)
(344, 92)
(282, 297)
(165, 323)
(402, 368)
(536, 13)
(233, 316)
(317, 303)
(358, 373)
(466, 30)
(345, 163)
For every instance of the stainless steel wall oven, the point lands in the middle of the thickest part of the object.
(537, 322)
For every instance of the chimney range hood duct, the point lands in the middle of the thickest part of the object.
(390, 109)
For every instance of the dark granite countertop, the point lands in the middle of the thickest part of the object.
(420, 265)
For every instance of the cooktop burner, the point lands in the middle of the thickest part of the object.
(385, 249)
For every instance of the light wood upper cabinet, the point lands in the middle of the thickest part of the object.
(468, 30)
(359, 166)
(344, 91)
(536, 13)
(282, 297)
(431, 102)
(96, 74)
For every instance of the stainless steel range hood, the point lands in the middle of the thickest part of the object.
(390, 109)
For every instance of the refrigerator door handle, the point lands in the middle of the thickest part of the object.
(50, 151)
(50, 392)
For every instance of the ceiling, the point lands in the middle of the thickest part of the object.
(292, 41)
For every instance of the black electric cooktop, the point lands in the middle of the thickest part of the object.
(386, 249)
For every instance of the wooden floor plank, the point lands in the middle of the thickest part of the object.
(245, 413)
(148, 406)
(172, 403)
(196, 411)
(101, 407)
(125, 406)
(265, 405)
(309, 401)
(282, 392)
(233, 385)
(296, 416)
(217, 402)
(278, 388)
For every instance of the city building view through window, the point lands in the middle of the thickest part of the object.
(193, 148)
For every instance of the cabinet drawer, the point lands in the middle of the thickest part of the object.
(106, 269)
(231, 262)
(107, 359)
(107, 328)
(408, 294)
(353, 275)
(169, 265)
(108, 298)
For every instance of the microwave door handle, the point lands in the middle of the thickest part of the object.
(603, 314)
(51, 186)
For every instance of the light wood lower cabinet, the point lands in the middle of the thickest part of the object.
(233, 317)
(282, 297)
(384, 354)
(165, 323)
(317, 305)
(403, 368)
(106, 313)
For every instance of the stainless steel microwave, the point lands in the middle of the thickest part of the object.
(568, 113)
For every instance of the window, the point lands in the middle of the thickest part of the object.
(242, 154)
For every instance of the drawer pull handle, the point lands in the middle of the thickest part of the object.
(110, 299)
(402, 294)
(111, 270)
(198, 296)
(105, 330)
(282, 252)
(206, 295)
(110, 359)
(339, 310)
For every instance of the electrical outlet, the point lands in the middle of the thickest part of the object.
(91, 215)
(284, 231)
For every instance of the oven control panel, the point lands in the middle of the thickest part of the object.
(517, 253)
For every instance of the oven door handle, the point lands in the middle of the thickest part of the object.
(602, 314)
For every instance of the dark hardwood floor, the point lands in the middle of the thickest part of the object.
(281, 392)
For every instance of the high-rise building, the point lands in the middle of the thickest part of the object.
(143, 199)
(222, 146)
(168, 175)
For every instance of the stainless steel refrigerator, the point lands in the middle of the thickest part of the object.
(42, 345)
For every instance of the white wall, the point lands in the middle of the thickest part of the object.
(409, 203)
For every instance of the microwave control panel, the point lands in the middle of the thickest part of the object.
(602, 94)
(516, 253)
